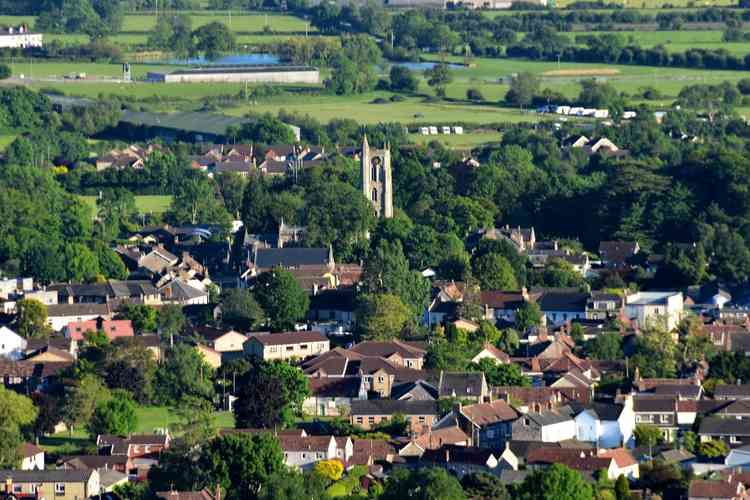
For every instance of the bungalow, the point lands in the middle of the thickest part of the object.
(489, 351)
(615, 462)
(118, 463)
(58, 316)
(502, 306)
(305, 451)
(550, 426)
(420, 415)
(560, 306)
(222, 340)
(333, 396)
(462, 460)
(285, 346)
(12, 345)
(58, 484)
(607, 425)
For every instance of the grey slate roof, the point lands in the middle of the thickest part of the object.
(724, 426)
(461, 384)
(46, 476)
(291, 257)
(389, 407)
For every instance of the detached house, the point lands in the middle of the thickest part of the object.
(12, 345)
(420, 415)
(305, 451)
(645, 307)
(615, 254)
(607, 425)
(464, 386)
(550, 426)
(487, 425)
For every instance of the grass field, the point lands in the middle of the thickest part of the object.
(145, 204)
(150, 418)
(468, 140)
(257, 22)
(678, 41)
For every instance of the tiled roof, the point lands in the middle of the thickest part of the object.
(458, 454)
(724, 426)
(184, 495)
(306, 443)
(489, 413)
(651, 404)
(389, 407)
(733, 390)
(433, 439)
(29, 450)
(580, 460)
(112, 328)
(501, 300)
(461, 385)
(46, 476)
(343, 387)
(622, 457)
(713, 489)
(267, 258)
(385, 349)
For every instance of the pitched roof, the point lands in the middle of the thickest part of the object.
(489, 413)
(267, 258)
(112, 328)
(77, 310)
(581, 460)
(733, 390)
(461, 384)
(435, 438)
(653, 404)
(389, 407)
(185, 495)
(342, 387)
(46, 476)
(498, 354)
(550, 417)
(606, 411)
(497, 299)
(304, 443)
(622, 457)
(617, 251)
(460, 454)
(94, 461)
(724, 426)
(713, 489)
(386, 349)
(286, 338)
(29, 450)
(563, 301)
(179, 290)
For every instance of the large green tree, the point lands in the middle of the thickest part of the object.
(381, 317)
(558, 482)
(115, 416)
(422, 484)
(282, 299)
(184, 373)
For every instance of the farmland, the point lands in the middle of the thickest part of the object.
(144, 204)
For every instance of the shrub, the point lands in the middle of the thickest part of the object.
(744, 86)
(474, 95)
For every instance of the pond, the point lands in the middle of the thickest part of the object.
(421, 66)
(256, 59)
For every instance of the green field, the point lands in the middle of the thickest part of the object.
(678, 41)
(468, 140)
(244, 23)
(145, 204)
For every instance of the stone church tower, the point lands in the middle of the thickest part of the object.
(377, 180)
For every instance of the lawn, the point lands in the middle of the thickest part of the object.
(6, 139)
(145, 204)
(467, 141)
(243, 23)
(150, 420)
(44, 69)
(679, 41)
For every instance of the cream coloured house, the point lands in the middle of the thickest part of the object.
(285, 346)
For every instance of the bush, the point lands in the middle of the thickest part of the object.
(5, 72)
(379, 100)
(744, 86)
(474, 95)
(397, 98)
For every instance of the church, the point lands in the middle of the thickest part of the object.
(377, 178)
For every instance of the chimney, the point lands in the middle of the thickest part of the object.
(447, 455)
(217, 495)
(8, 486)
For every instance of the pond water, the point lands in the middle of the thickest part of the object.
(421, 66)
(259, 59)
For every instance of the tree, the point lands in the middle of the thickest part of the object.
(195, 202)
(438, 77)
(266, 129)
(381, 317)
(293, 485)
(529, 315)
(387, 271)
(422, 484)
(16, 411)
(171, 322)
(329, 469)
(32, 319)
(494, 272)
(256, 203)
(282, 299)
(183, 373)
(82, 264)
(523, 88)
(509, 340)
(713, 448)
(111, 265)
(558, 482)
(241, 463)
(130, 365)
(5, 72)
(270, 394)
(607, 346)
(240, 309)
(483, 486)
(116, 416)
(601, 95)
(214, 39)
(82, 399)
(499, 374)
(403, 79)
(647, 435)
(622, 488)
(655, 353)
(143, 317)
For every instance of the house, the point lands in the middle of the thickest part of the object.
(502, 306)
(420, 415)
(178, 292)
(588, 461)
(559, 306)
(732, 392)
(462, 460)
(49, 354)
(19, 38)
(304, 452)
(470, 386)
(489, 351)
(32, 457)
(333, 305)
(615, 254)
(396, 351)
(658, 411)
(59, 484)
(12, 345)
(487, 425)
(604, 305)
(734, 432)
(58, 316)
(333, 396)
(113, 329)
(645, 307)
(142, 450)
(203, 494)
(549, 426)
(288, 345)
(418, 390)
(730, 489)
(28, 376)
(222, 340)
(210, 356)
(537, 399)
(607, 425)
(266, 259)
(682, 458)
(117, 463)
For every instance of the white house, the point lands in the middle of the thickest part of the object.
(12, 345)
(32, 457)
(607, 425)
(19, 38)
(305, 451)
(646, 307)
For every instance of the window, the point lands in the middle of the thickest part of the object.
(320, 455)
(17, 488)
(359, 420)
(734, 439)
(374, 195)
(290, 348)
(303, 346)
(304, 455)
(60, 489)
(272, 349)
(664, 419)
(371, 420)
(380, 379)
(422, 419)
(637, 419)
(374, 172)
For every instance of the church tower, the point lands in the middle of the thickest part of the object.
(377, 180)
